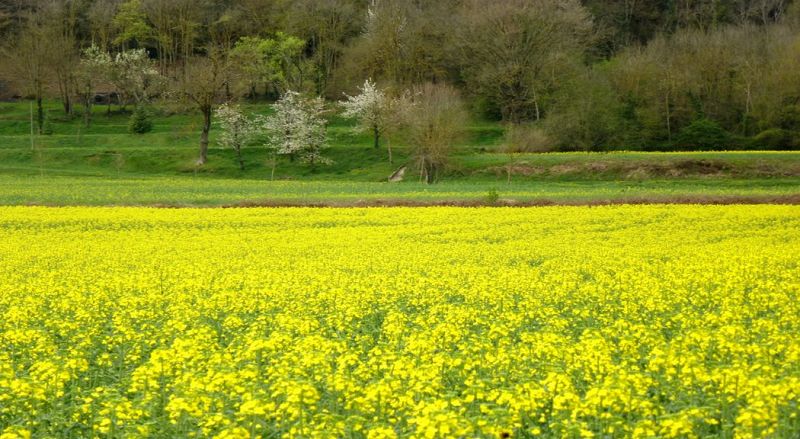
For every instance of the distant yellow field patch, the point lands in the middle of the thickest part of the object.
(649, 321)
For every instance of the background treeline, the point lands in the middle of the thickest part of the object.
(563, 74)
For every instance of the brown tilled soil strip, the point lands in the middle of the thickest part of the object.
(793, 199)
(697, 200)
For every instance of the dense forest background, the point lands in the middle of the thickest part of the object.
(563, 74)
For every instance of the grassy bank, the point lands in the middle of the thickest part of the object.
(106, 149)
(103, 164)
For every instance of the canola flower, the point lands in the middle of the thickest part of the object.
(567, 322)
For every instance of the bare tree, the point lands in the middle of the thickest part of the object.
(61, 22)
(759, 11)
(224, 30)
(326, 26)
(101, 22)
(6, 20)
(404, 42)
(27, 59)
(177, 25)
(512, 50)
(258, 17)
(434, 124)
(206, 82)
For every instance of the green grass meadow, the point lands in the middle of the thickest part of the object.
(104, 164)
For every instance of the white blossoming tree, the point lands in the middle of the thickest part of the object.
(135, 76)
(377, 112)
(297, 129)
(237, 129)
(95, 67)
(371, 108)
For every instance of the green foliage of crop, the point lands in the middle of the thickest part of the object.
(201, 191)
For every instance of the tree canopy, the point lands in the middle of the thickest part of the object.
(588, 74)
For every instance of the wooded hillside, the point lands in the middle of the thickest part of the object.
(564, 74)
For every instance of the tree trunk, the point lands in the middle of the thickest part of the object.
(430, 174)
(747, 105)
(64, 88)
(389, 148)
(32, 143)
(39, 113)
(204, 135)
(239, 156)
(667, 108)
(376, 133)
(87, 110)
(67, 104)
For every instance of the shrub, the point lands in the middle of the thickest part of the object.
(527, 138)
(774, 138)
(704, 134)
(140, 122)
(789, 116)
(492, 197)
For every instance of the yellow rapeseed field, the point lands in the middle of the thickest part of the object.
(648, 321)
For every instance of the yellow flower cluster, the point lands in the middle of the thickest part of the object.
(626, 321)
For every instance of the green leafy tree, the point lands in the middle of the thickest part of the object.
(131, 25)
(276, 62)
